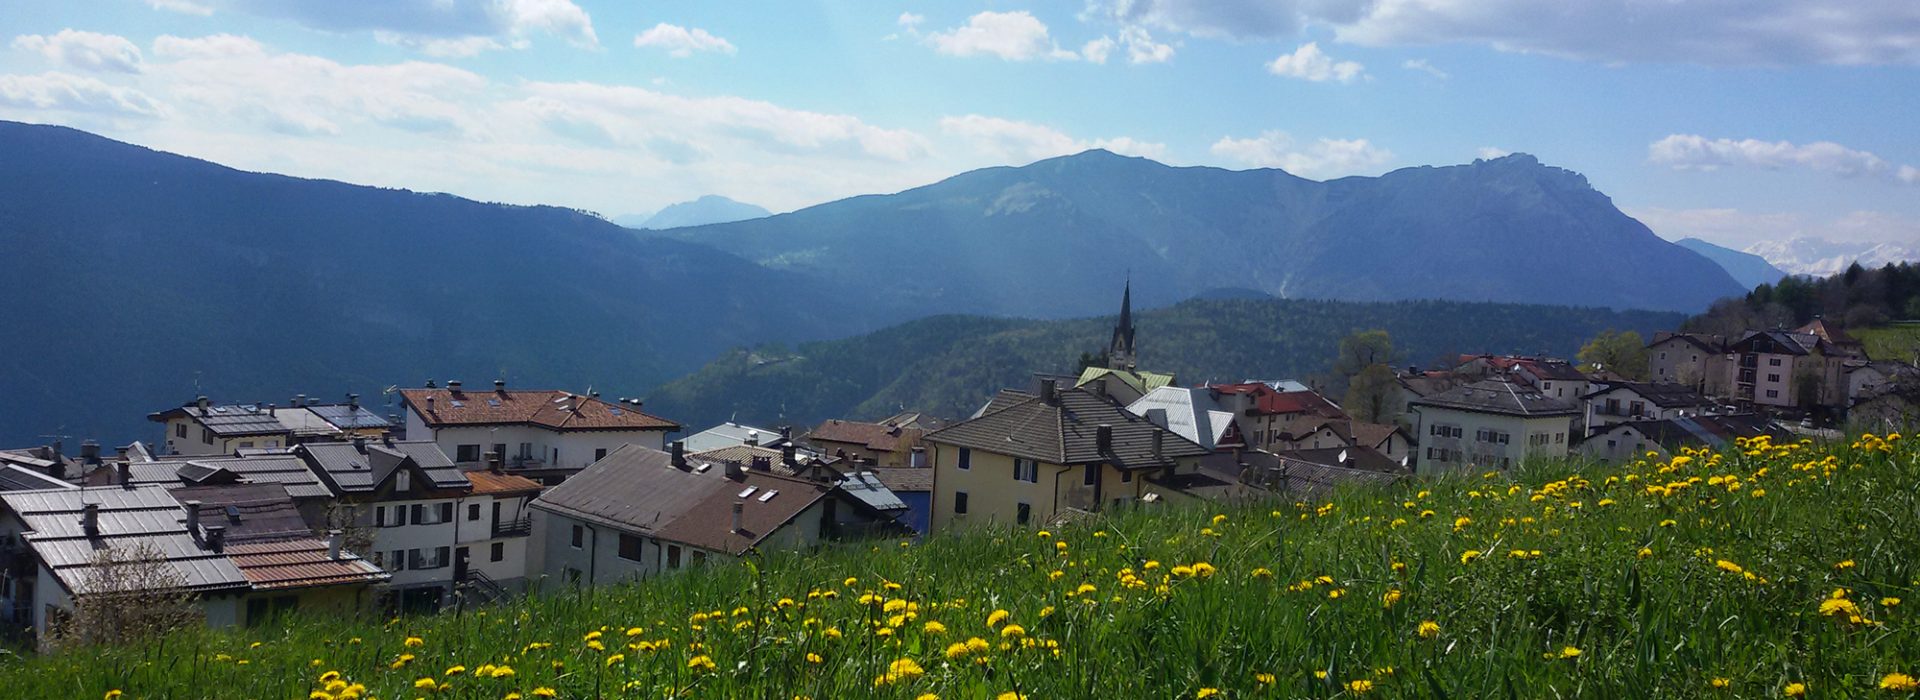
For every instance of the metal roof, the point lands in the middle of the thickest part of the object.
(233, 420)
(866, 486)
(1193, 413)
(730, 435)
(363, 467)
(1065, 432)
(349, 417)
(17, 478)
(127, 517)
(300, 563)
(277, 468)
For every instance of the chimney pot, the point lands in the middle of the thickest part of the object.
(789, 455)
(124, 473)
(217, 538)
(202, 403)
(739, 516)
(500, 385)
(429, 404)
(360, 443)
(300, 400)
(90, 519)
(90, 453)
(193, 517)
(1049, 391)
(353, 400)
(735, 471)
(762, 463)
(453, 385)
(333, 545)
(753, 438)
(680, 455)
(1103, 438)
(431, 385)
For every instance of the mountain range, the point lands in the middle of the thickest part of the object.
(138, 279)
(708, 209)
(1049, 239)
(1820, 258)
(1746, 268)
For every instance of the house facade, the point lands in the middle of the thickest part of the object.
(1640, 401)
(1771, 368)
(543, 434)
(1693, 360)
(203, 428)
(404, 499)
(1491, 423)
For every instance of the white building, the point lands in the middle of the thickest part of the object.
(201, 427)
(409, 499)
(545, 434)
(1491, 424)
(1638, 401)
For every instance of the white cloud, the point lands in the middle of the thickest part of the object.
(1012, 36)
(1421, 64)
(1322, 159)
(1096, 51)
(1739, 229)
(559, 18)
(1310, 63)
(439, 27)
(1013, 141)
(910, 20)
(1694, 152)
(1141, 48)
(681, 42)
(84, 50)
(1714, 32)
(67, 92)
(1492, 152)
(462, 47)
(639, 118)
(185, 7)
(210, 46)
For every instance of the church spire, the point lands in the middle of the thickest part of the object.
(1120, 354)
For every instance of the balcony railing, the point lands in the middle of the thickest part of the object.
(520, 527)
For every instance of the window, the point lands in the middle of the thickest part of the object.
(630, 547)
(499, 552)
(500, 450)
(379, 520)
(1559, 438)
(246, 444)
(1773, 393)
(466, 453)
(556, 456)
(699, 558)
(1126, 477)
(402, 480)
(496, 512)
(473, 511)
(966, 458)
(446, 512)
(1663, 354)
(1022, 513)
(1026, 470)
(1773, 362)
(599, 454)
(959, 503)
(1091, 475)
(180, 430)
(1773, 377)
(435, 558)
(526, 450)
(673, 556)
(1637, 407)
(1610, 444)
(206, 435)
(579, 536)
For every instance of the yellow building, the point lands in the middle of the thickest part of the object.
(1027, 458)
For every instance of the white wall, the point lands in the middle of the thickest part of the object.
(1474, 453)
(576, 447)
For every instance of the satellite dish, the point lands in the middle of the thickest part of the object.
(1343, 456)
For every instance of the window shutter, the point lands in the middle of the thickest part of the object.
(442, 556)
(446, 512)
(419, 514)
(379, 516)
(399, 516)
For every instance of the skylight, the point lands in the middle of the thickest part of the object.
(746, 493)
(768, 496)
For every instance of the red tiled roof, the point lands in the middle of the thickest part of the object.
(552, 409)
(1268, 401)
(873, 436)
(299, 563)
(486, 483)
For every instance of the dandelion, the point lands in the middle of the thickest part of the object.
(997, 616)
(700, 663)
(1794, 690)
(1359, 686)
(545, 692)
(901, 670)
(1898, 682)
(1570, 652)
(1206, 693)
(412, 642)
(933, 627)
(1469, 555)
(1889, 602)
(1728, 566)
(1428, 629)
(111, 694)
(1009, 695)
(1263, 678)
(1720, 683)
(1013, 632)
(1843, 566)
(813, 658)
(426, 683)
(1389, 598)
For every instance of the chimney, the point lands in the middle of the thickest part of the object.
(1049, 391)
(300, 400)
(270, 410)
(217, 538)
(360, 444)
(333, 545)
(735, 471)
(124, 472)
(739, 516)
(496, 462)
(453, 385)
(353, 400)
(90, 519)
(786, 433)
(1157, 416)
(431, 385)
(1103, 439)
(680, 455)
(1159, 443)
(753, 438)
(430, 404)
(121, 451)
(500, 385)
(193, 517)
(90, 453)
(202, 403)
(761, 463)
(788, 456)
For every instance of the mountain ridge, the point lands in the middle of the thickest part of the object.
(1746, 268)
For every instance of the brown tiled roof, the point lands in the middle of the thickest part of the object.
(904, 478)
(873, 436)
(1266, 401)
(299, 563)
(249, 511)
(745, 454)
(636, 489)
(486, 483)
(551, 409)
(1065, 432)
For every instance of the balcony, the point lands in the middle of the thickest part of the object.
(513, 528)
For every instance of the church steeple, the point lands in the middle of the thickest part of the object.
(1120, 354)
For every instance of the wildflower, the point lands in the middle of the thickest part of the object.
(635, 631)
(926, 696)
(1720, 683)
(1202, 569)
(1389, 598)
(997, 616)
(1262, 572)
(1469, 555)
(1013, 632)
(700, 663)
(1644, 552)
(1263, 678)
(414, 642)
(1428, 629)
(455, 670)
(1843, 566)
(111, 694)
(1898, 682)
(426, 683)
(1359, 686)
(1728, 566)
(1794, 690)
(933, 627)
(1009, 695)
(501, 672)
(813, 658)
(900, 670)
(1570, 652)
(1322, 675)
(1889, 602)
(545, 692)
(1043, 534)
(1206, 693)
(616, 658)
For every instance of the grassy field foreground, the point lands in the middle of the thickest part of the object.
(1776, 571)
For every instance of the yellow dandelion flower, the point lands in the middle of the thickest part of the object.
(545, 692)
(1206, 693)
(1898, 682)
(1468, 556)
(414, 642)
(933, 627)
(426, 683)
(1359, 686)
(1428, 629)
(1794, 690)
(997, 616)
(1720, 683)
(1570, 652)
(1013, 632)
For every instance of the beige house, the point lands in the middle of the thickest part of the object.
(1772, 367)
(1691, 359)
(1491, 423)
(1028, 458)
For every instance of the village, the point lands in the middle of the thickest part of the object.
(453, 495)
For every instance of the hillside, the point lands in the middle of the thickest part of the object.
(949, 365)
(138, 279)
(1049, 239)
(710, 209)
(1777, 571)
(1746, 268)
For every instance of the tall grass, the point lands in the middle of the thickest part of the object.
(1656, 579)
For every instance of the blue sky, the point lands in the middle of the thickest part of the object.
(1735, 120)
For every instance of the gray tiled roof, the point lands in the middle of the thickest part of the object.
(128, 517)
(249, 511)
(362, 468)
(638, 490)
(236, 420)
(1065, 432)
(1662, 394)
(1501, 397)
(347, 417)
(276, 468)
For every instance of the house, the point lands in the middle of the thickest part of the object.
(1865, 379)
(1552, 377)
(1893, 408)
(545, 435)
(914, 487)
(1315, 432)
(1195, 414)
(1631, 401)
(312, 497)
(204, 428)
(410, 501)
(14, 477)
(641, 512)
(1695, 360)
(1627, 441)
(288, 567)
(1263, 414)
(52, 460)
(1028, 458)
(1491, 423)
(732, 434)
(57, 540)
(1771, 368)
(882, 444)
(1843, 345)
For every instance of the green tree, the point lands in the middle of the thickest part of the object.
(1624, 354)
(1362, 350)
(1373, 395)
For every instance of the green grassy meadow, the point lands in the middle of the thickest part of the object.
(1896, 342)
(1775, 571)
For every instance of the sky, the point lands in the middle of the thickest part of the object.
(1737, 121)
